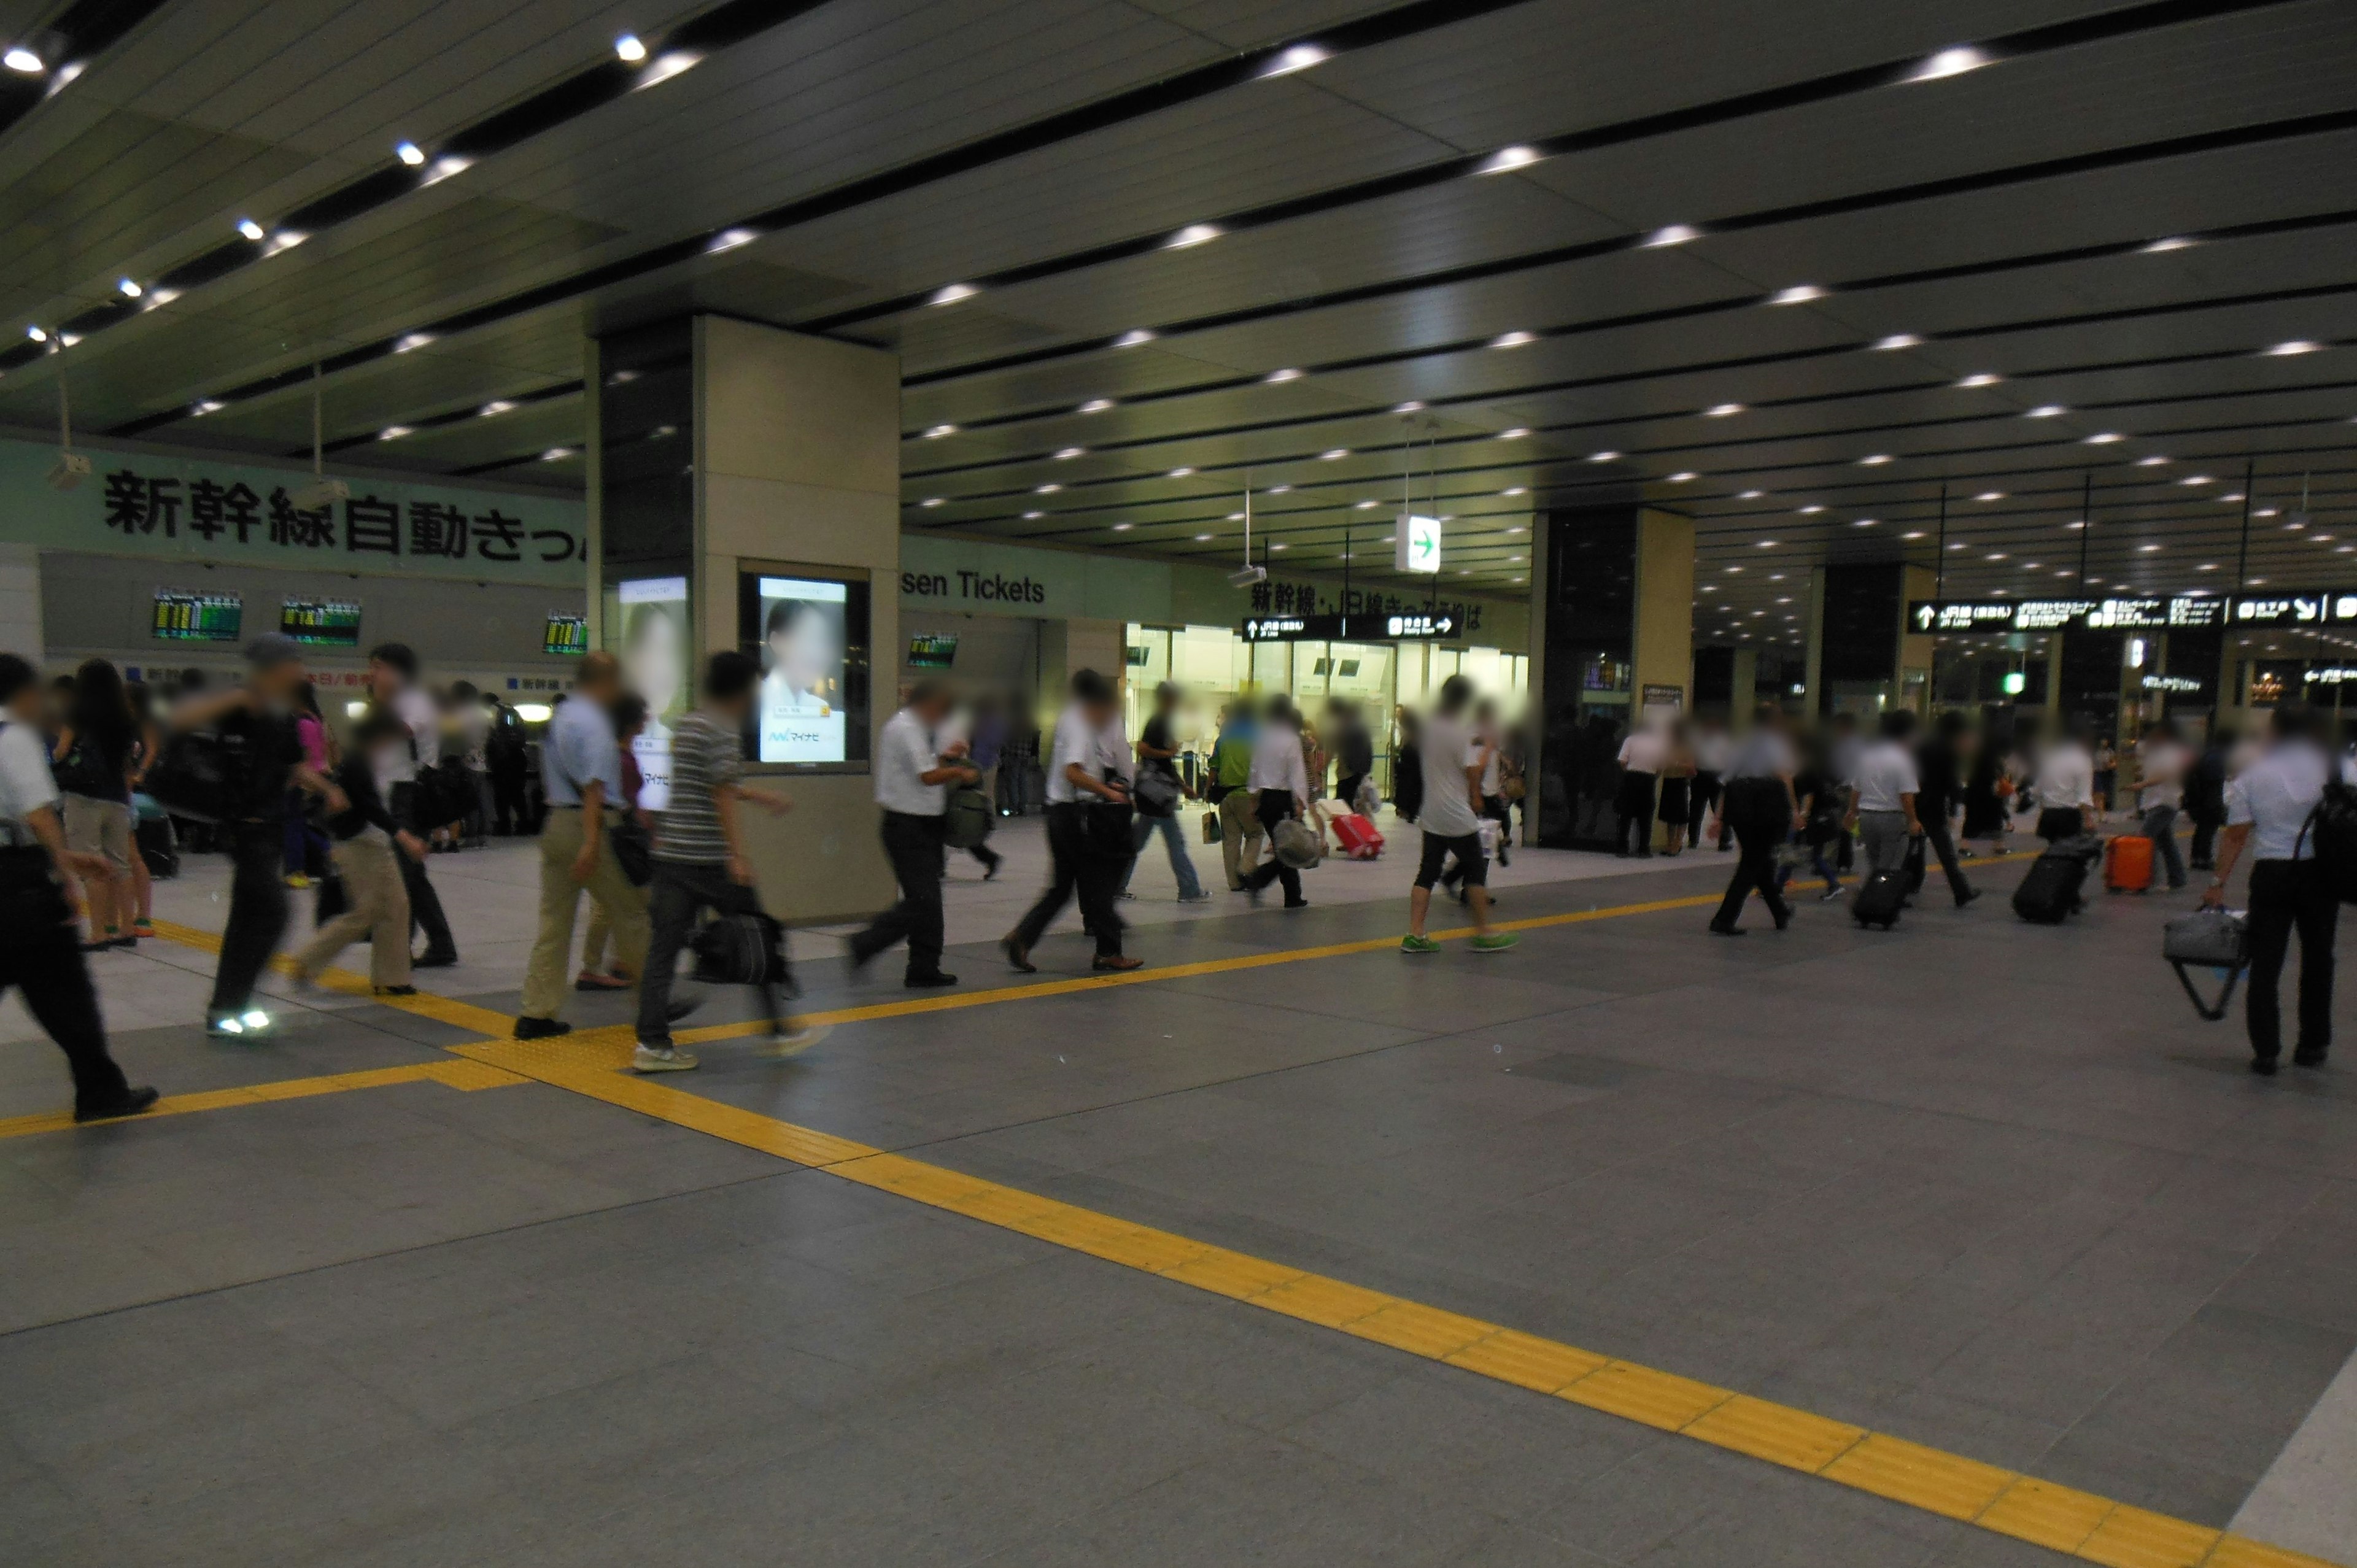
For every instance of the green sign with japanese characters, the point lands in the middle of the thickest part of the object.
(198, 508)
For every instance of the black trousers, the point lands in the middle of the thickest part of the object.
(1273, 806)
(507, 808)
(1941, 842)
(257, 914)
(42, 958)
(679, 891)
(1074, 869)
(2288, 895)
(914, 846)
(1761, 816)
(425, 904)
(2206, 843)
(1346, 790)
(1700, 795)
(1634, 806)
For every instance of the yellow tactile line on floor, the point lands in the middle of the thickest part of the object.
(2062, 1519)
(441, 1009)
(466, 1074)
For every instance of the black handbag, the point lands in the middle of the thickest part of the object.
(634, 851)
(742, 949)
(200, 775)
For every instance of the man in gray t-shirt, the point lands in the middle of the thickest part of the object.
(1453, 766)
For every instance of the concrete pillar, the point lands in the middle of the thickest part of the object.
(1744, 689)
(1915, 650)
(1812, 700)
(20, 602)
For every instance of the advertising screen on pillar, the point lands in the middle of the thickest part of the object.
(656, 658)
(809, 634)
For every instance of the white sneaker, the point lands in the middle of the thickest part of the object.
(792, 1037)
(663, 1059)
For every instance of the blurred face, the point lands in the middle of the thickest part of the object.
(650, 661)
(805, 652)
(280, 681)
(383, 678)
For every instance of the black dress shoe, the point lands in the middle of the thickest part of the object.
(1969, 895)
(132, 1102)
(2263, 1066)
(1017, 955)
(531, 1028)
(1718, 930)
(2304, 1057)
(928, 981)
(435, 960)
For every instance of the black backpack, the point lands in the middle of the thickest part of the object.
(2331, 829)
(200, 775)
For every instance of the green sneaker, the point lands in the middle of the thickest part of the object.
(1496, 941)
(1412, 943)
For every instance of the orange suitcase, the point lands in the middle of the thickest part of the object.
(2127, 863)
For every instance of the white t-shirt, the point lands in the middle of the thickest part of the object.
(1644, 751)
(2066, 778)
(1884, 772)
(904, 752)
(1473, 751)
(2160, 764)
(1445, 813)
(1097, 751)
(1276, 762)
(25, 782)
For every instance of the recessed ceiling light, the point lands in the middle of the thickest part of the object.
(1799, 294)
(2298, 346)
(1512, 339)
(2046, 411)
(396, 432)
(1033, 516)
(1721, 410)
(497, 406)
(2197, 479)
(1410, 407)
(2207, 567)
(1735, 568)
(1045, 490)
(1505, 159)
(1335, 454)
(210, 405)
(1912, 533)
(1874, 461)
(630, 49)
(1284, 375)
(2149, 549)
(2174, 242)
(935, 432)
(411, 341)
(730, 239)
(1603, 456)
(1895, 340)
(1811, 511)
(1763, 544)
(409, 153)
(1066, 453)
(2265, 512)
(1123, 527)
(1750, 494)
(950, 294)
(1280, 545)
(1281, 490)
(1194, 234)
(1515, 490)
(1518, 528)
(1516, 433)
(251, 231)
(1097, 405)
(1980, 379)
(2230, 496)
(127, 288)
(1132, 337)
(22, 62)
(1669, 234)
(1180, 473)
(930, 500)
(1682, 476)
(1947, 63)
(556, 454)
(1866, 522)
(1201, 537)
(1370, 506)
(1300, 57)
(2102, 438)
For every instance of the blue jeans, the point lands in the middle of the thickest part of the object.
(2160, 827)
(1174, 838)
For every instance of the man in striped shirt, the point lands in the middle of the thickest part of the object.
(699, 860)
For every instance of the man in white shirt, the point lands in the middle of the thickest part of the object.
(1088, 825)
(393, 678)
(1279, 783)
(41, 955)
(2161, 762)
(2064, 789)
(1641, 755)
(914, 769)
(1450, 822)
(2268, 806)
(1882, 793)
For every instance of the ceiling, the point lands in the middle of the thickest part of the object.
(2112, 212)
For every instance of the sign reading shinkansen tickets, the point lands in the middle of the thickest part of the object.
(1994, 616)
(195, 509)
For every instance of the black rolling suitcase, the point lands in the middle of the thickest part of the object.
(2049, 895)
(1880, 896)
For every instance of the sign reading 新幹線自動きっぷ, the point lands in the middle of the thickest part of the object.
(194, 508)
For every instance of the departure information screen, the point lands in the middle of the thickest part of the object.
(197, 617)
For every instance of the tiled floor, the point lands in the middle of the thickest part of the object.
(1982, 1186)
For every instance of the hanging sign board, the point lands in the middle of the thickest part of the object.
(1996, 616)
(1392, 625)
(1416, 544)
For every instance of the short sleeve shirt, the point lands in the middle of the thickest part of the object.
(1445, 813)
(579, 751)
(1884, 772)
(705, 756)
(1075, 741)
(905, 752)
(26, 785)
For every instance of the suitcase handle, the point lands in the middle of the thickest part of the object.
(2225, 997)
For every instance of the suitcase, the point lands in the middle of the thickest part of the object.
(1359, 840)
(2051, 892)
(1878, 899)
(2127, 863)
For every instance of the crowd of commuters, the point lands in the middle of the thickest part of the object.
(361, 812)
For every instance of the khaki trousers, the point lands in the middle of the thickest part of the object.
(376, 904)
(595, 942)
(1240, 835)
(548, 978)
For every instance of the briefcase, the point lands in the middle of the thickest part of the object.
(2209, 939)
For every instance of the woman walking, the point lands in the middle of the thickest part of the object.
(93, 760)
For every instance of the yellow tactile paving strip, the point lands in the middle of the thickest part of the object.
(453, 1075)
(2062, 1519)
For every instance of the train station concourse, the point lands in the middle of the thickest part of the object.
(996, 762)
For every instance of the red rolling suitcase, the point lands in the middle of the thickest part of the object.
(1359, 839)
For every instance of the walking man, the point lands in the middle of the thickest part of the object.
(2161, 763)
(1760, 807)
(1450, 822)
(1882, 794)
(2267, 810)
(699, 858)
(1279, 785)
(1159, 795)
(393, 678)
(581, 775)
(42, 956)
(1939, 772)
(1231, 773)
(914, 775)
(1084, 775)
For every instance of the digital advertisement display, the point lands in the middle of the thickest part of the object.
(323, 623)
(810, 634)
(651, 615)
(566, 634)
(197, 617)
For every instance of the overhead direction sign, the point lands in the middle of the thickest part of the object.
(1367, 625)
(1997, 617)
(1416, 545)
